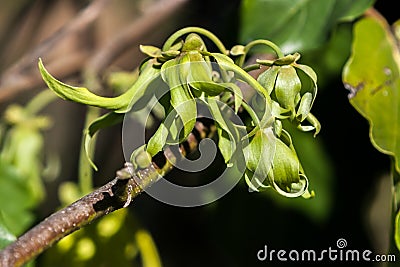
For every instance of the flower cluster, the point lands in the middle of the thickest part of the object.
(191, 74)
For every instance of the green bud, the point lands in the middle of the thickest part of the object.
(150, 50)
(237, 50)
(286, 175)
(140, 158)
(287, 60)
(193, 42)
(170, 54)
(259, 154)
(287, 79)
(177, 46)
(273, 162)
(287, 88)
(286, 166)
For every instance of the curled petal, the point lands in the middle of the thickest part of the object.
(119, 104)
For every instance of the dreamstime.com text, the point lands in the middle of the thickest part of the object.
(338, 253)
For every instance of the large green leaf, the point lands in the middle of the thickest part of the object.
(295, 25)
(372, 76)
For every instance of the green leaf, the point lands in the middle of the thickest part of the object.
(372, 76)
(348, 10)
(296, 25)
(6, 237)
(120, 104)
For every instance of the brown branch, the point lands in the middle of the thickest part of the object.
(150, 19)
(100, 202)
(60, 68)
(77, 25)
(23, 75)
(114, 195)
(58, 224)
(15, 80)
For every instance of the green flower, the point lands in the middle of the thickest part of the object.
(293, 86)
(272, 162)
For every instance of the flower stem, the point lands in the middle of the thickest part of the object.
(172, 39)
(250, 45)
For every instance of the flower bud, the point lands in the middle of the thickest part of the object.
(140, 158)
